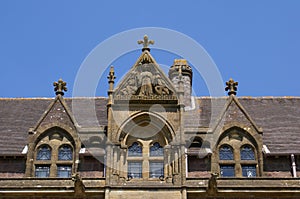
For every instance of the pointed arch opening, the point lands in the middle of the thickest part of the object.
(145, 136)
(237, 154)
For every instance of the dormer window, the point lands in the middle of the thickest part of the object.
(237, 155)
(54, 155)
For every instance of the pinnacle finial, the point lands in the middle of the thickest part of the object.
(111, 75)
(59, 87)
(146, 42)
(231, 87)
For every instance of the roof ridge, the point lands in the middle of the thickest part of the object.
(249, 97)
(27, 98)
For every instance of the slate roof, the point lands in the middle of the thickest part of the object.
(279, 118)
(17, 115)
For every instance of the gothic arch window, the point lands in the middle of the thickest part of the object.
(247, 153)
(237, 155)
(53, 155)
(248, 162)
(43, 153)
(65, 152)
(156, 163)
(145, 160)
(135, 150)
(226, 157)
(156, 150)
(226, 153)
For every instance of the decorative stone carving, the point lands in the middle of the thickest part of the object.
(160, 86)
(131, 86)
(146, 82)
(60, 87)
(231, 87)
(146, 42)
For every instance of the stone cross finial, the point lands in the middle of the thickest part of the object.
(231, 87)
(146, 43)
(60, 87)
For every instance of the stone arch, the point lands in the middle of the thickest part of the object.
(144, 125)
(56, 132)
(236, 136)
(238, 132)
(54, 136)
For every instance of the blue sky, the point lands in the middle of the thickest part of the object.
(254, 42)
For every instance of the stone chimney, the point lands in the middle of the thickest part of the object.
(187, 77)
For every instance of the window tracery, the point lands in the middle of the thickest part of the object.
(65, 152)
(247, 153)
(226, 153)
(44, 153)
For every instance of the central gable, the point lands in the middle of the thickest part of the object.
(145, 81)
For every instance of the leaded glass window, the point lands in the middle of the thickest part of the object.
(156, 150)
(135, 150)
(42, 171)
(156, 169)
(227, 170)
(247, 153)
(134, 169)
(44, 153)
(249, 171)
(65, 153)
(226, 153)
(64, 171)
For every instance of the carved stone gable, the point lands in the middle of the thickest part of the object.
(145, 81)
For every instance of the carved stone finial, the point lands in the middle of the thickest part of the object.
(59, 87)
(231, 87)
(111, 75)
(146, 42)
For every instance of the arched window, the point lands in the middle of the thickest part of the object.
(247, 153)
(65, 152)
(54, 154)
(147, 164)
(44, 153)
(238, 155)
(156, 150)
(135, 150)
(226, 153)
(156, 165)
(135, 166)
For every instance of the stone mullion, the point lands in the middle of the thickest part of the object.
(54, 158)
(237, 158)
(145, 163)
